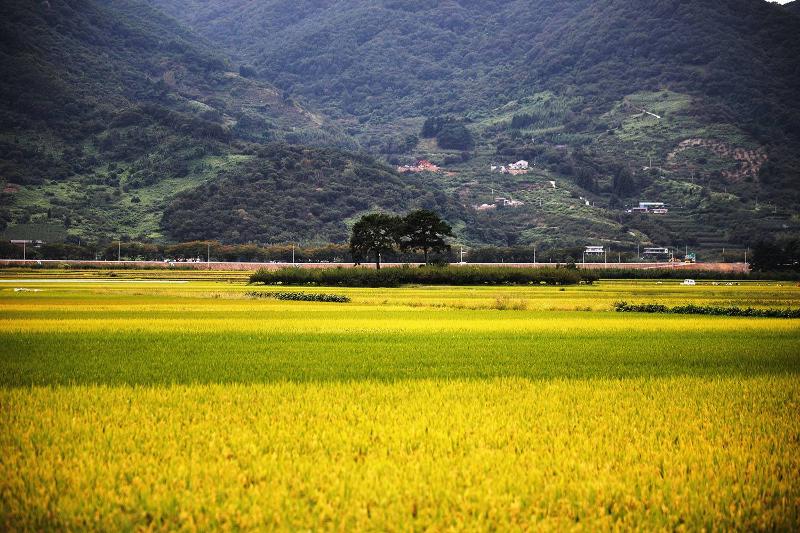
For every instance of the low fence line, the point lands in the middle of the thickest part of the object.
(220, 265)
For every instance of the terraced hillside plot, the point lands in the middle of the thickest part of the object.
(190, 405)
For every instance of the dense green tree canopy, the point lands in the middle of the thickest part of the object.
(374, 234)
(118, 120)
(425, 231)
(292, 194)
(389, 58)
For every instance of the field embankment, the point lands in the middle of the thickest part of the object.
(397, 276)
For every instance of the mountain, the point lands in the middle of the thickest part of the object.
(393, 58)
(279, 119)
(108, 108)
(692, 103)
(793, 7)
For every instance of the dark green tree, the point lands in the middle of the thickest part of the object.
(455, 137)
(374, 234)
(623, 185)
(771, 255)
(425, 231)
(584, 177)
(432, 126)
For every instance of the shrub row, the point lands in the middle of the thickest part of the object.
(678, 273)
(691, 309)
(397, 276)
(301, 297)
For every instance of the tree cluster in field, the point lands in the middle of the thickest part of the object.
(378, 233)
(692, 309)
(430, 275)
(301, 296)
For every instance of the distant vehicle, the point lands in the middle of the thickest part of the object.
(689, 282)
(656, 253)
(690, 258)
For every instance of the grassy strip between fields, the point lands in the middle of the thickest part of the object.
(301, 296)
(397, 276)
(691, 309)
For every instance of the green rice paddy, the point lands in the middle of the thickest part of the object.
(128, 403)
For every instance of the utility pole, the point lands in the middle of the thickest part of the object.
(119, 250)
(208, 252)
(292, 254)
(638, 255)
(462, 255)
(745, 256)
(723, 255)
(24, 251)
(534, 255)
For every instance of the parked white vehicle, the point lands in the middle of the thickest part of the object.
(689, 282)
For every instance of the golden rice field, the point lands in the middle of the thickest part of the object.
(147, 406)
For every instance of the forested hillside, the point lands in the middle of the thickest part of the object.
(293, 194)
(793, 7)
(694, 104)
(109, 107)
(394, 58)
(132, 117)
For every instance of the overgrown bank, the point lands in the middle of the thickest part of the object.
(698, 274)
(713, 310)
(301, 297)
(397, 276)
